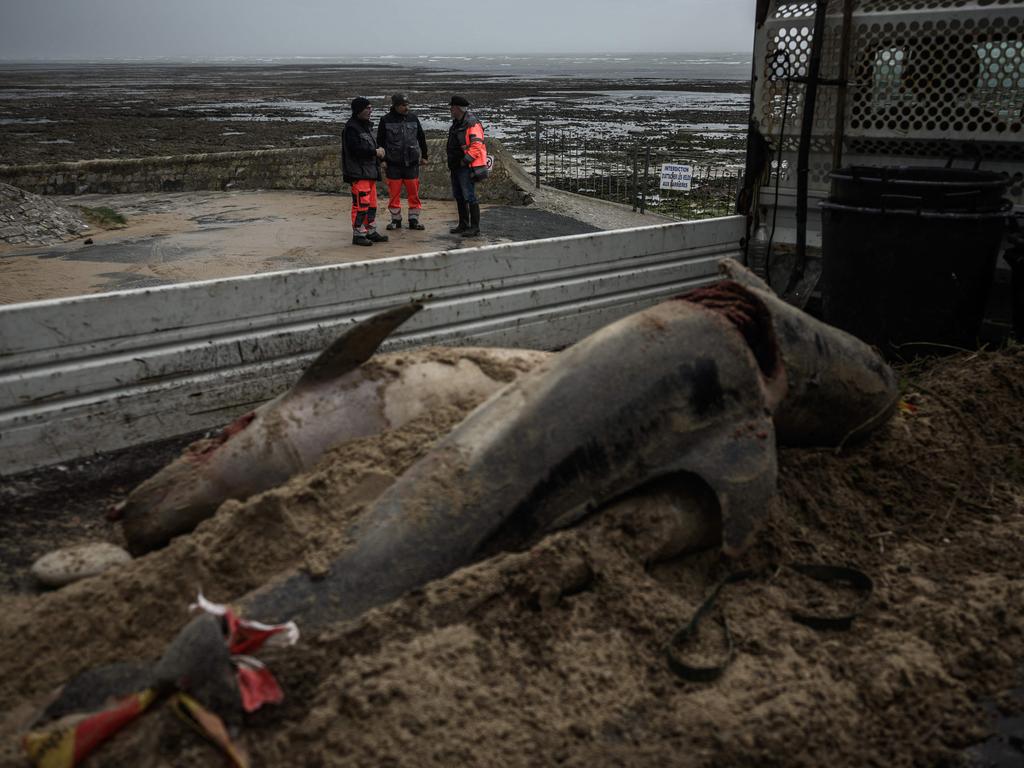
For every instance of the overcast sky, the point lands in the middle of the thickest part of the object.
(89, 29)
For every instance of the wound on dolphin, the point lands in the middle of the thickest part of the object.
(748, 314)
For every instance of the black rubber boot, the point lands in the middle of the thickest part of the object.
(358, 238)
(415, 224)
(463, 219)
(473, 230)
(376, 237)
(397, 224)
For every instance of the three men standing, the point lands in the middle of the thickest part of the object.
(467, 162)
(405, 150)
(360, 166)
(402, 145)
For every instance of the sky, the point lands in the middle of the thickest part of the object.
(92, 29)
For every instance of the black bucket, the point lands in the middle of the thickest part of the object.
(930, 189)
(909, 255)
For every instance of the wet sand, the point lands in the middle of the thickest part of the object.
(54, 112)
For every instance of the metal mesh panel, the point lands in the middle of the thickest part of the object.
(787, 55)
(937, 78)
(922, 73)
(876, 6)
(793, 10)
(929, 81)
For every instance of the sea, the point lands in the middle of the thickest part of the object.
(721, 67)
(649, 66)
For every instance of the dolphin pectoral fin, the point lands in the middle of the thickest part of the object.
(740, 466)
(355, 346)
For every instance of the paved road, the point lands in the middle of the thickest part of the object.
(174, 238)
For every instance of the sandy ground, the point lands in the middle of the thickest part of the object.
(554, 654)
(174, 238)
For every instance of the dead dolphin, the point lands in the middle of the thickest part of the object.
(676, 387)
(677, 401)
(339, 397)
(692, 385)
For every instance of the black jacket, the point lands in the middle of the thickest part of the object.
(402, 138)
(359, 152)
(457, 141)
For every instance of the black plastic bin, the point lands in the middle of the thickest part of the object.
(909, 254)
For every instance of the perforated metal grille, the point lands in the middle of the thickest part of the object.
(787, 56)
(933, 78)
(876, 6)
(793, 10)
(921, 75)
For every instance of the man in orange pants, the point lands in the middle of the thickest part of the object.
(360, 166)
(405, 150)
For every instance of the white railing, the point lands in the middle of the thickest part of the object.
(99, 373)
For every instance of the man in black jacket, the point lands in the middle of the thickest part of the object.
(467, 162)
(405, 150)
(360, 167)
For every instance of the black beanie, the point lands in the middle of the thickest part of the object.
(359, 104)
(398, 99)
(460, 101)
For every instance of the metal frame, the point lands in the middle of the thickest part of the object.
(871, 21)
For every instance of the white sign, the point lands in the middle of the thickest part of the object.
(675, 176)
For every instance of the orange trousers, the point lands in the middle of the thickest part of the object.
(364, 205)
(412, 193)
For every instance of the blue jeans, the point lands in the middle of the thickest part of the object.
(463, 187)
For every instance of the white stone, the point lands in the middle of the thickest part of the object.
(64, 566)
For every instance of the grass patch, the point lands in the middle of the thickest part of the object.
(102, 217)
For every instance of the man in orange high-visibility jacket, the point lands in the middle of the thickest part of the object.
(360, 167)
(467, 157)
(405, 150)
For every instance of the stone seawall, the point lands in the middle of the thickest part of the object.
(315, 169)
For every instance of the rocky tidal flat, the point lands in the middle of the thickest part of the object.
(66, 112)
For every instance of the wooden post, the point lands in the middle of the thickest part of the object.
(636, 192)
(643, 191)
(536, 149)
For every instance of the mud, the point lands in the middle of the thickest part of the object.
(50, 112)
(554, 655)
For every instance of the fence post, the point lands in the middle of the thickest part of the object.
(584, 161)
(536, 149)
(636, 192)
(643, 191)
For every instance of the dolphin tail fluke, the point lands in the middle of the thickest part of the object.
(356, 345)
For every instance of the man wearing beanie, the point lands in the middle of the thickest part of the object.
(360, 167)
(467, 161)
(405, 150)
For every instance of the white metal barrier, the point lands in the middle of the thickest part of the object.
(99, 373)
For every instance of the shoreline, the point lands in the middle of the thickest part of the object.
(51, 112)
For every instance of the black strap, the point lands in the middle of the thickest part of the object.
(834, 574)
(684, 635)
(820, 572)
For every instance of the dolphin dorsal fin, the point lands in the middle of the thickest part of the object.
(355, 346)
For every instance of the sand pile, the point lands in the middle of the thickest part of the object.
(554, 655)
